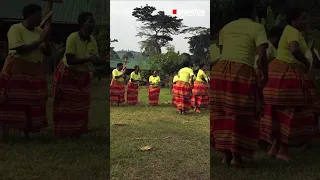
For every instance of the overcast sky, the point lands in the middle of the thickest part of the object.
(124, 27)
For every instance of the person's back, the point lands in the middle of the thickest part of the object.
(239, 39)
(185, 74)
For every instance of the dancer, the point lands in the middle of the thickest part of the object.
(117, 87)
(23, 86)
(235, 88)
(154, 89)
(72, 81)
(133, 87)
(290, 94)
(200, 91)
(183, 89)
(174, 81)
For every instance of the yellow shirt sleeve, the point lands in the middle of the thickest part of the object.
(293, 35)
(132, 75)
(221, 38)
(261, 36)
(71, 45)
(150, 79)
(191, 72)
(14, 37)
(95, 45)
(114, 73)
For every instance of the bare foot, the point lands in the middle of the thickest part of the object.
(227, 158)
(198, 111)
(274, 149)
(283, 157)
(237, 161)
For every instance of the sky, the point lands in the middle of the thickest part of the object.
(124, 27)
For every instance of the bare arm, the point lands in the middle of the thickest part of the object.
(263, 60)
(297, 53)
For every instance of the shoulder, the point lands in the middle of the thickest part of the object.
(73, 36)
(93, 39)
(290, 30)
(115, 70)
(15, 27)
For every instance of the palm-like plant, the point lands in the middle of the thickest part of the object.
(270, 21)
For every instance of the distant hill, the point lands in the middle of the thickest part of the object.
(137, 55)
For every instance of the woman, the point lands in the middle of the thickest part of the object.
(72, 81)
(174, 81)
(183, 89)
(117, 88)
(154, 89)
(133, 87)
(23, 86)
(235, 89)
(200, 91)
(290, 95)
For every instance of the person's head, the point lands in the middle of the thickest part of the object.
(136, 68)
(274, 35)
(245, 9)
(86, 22)
(186, 64)
(203, 67)
(32, 14)
(155, 73)
(119, 66)
(297, 18)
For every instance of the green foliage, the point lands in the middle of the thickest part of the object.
(167, 63)
(157, 28)
(102, 37)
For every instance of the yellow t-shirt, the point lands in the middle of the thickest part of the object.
(175, 79)
(115, 73)
(289, 35)
(239, 40)
(214, 52)
(135, 77)
(81, 49)
(154, 80)
(201, 73)
(185, 74)
(271, 53)
(19, 35)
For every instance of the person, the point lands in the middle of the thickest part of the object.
(72, 80)
(200, 91)
(154, 89)
(215, 51)
(183, 88)
(290, 94)
(23, 86)
(235, 87)
(174, 81)
(133, 86)
(117, 87)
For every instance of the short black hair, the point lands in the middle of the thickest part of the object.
(136, 67)
(244, 8)
(293, 14)
(186, 64)
(83, 17)
(119, 64)
(30, 10)
(275, 31)
(202, 65)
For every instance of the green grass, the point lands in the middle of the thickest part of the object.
(180, 142)
(48, 158)
(304, 166)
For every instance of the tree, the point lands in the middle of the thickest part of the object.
(199, 43)
(157, 28)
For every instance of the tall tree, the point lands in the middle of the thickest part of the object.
(199, 43)
(157, 28)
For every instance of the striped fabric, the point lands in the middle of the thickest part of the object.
(132, 93)
(200, 95)
(182, 93)
(23, 96)
(154, 93)
(71, 102)
(173, 96)
(235, 102)
(291, 105)
(117, 91)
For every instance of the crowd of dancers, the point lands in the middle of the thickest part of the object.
(188, 90)
(271, 98)
(23, 86)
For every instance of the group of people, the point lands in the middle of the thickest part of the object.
(118, 91)
(23, 85)
(271, 98)
(187, 90)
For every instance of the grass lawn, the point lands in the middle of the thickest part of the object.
(48, 158)
(304, 166)
(180, 142)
